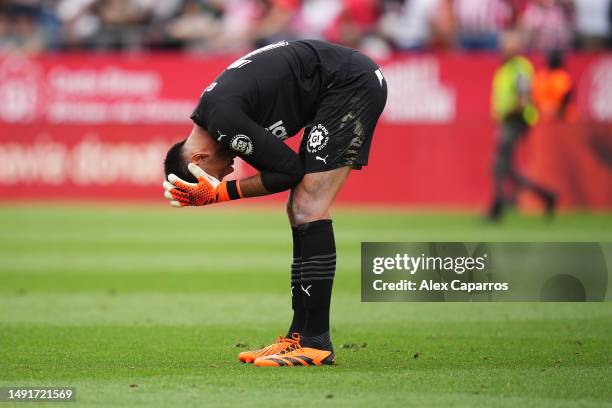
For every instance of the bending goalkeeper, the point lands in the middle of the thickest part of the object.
(337, 95)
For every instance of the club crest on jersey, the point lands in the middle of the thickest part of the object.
(317, 139)
(242, 144)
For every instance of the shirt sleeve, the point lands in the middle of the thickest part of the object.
(280, 167)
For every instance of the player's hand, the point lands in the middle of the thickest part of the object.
(182, 193)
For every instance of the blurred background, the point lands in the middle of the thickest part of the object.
(93, 91)
(100, 278)
(484, 96)
(378, 26)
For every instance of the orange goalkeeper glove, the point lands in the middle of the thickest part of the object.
(207, 190)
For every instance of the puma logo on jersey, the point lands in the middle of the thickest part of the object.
(221, 136)
(278, 130)
(323, 159)
(306, 289)
(379, 75)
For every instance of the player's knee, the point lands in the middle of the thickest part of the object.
(304, 210)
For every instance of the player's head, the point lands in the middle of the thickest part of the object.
(510, 43)
(176, 163)
(201, 149)
(555, 59)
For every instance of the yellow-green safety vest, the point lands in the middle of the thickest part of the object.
(506, 82)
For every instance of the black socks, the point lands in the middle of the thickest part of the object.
(312, 277)
(297, 303)
(317, 272)
(320, 342)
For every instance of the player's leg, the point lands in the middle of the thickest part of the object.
(309, 209)
(315, 196)
(517, 129)
(337, 141)
(312, 201)
(548, 197)
(502, 167)
(297, 303)
(499, 175)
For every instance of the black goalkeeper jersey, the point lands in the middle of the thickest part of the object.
(278, 87)
(334, 92)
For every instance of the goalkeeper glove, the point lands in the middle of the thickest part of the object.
(207, 190)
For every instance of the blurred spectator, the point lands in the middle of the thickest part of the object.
(248, 24)
(125, 23)
(121, 22)
(275, 22)
(593, 23)
(547, 24)
(375, 26)
(356, 20)
(21, 27)
(478, 22)
(79, 21)
(195, 26)
(512, 107)
(314, 17)
(112, 24)
(419, 24)
(552, 89)
(515, 9)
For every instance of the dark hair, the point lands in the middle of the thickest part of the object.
(175, 163)
(555, 59)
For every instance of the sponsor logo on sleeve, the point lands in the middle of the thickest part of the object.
(279, 130)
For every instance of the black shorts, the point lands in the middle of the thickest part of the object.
(342, 130)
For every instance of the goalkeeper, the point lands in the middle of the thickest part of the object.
(337, 95)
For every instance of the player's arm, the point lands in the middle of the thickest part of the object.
(280, 167)
(253, 186)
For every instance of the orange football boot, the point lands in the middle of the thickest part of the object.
(296, 355)
(281, 344)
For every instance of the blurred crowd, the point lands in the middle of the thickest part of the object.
(378, 26)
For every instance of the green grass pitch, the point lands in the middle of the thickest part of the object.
(147, 306)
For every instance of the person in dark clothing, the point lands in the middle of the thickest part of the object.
(512, 107)
(337, 95)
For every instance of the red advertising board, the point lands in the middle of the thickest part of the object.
(97, 127)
